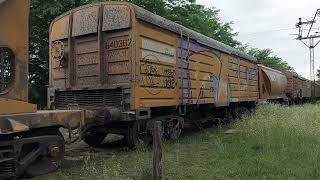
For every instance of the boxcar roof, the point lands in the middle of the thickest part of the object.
(271, 69)
(159, 21)
(177, 28)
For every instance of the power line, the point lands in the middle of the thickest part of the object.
(274, 30)
(313, 42)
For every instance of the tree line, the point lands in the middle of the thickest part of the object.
(185, 12)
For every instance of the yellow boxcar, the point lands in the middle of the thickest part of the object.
(128, 67)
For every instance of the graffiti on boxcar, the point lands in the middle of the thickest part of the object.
(187, 50)
(214, 85)
(150, 71)
(201, 96)
(169, 80)
(238, 69)
(155, 77)
(251, 73)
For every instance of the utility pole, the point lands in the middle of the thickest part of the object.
(311, 45)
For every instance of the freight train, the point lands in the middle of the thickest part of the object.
(117, 68)
(127, 68)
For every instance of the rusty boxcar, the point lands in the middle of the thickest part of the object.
(298, 88)
(272, 84)
(317, 90)
(128, 67)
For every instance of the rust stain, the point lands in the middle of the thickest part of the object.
(14, 17)
(60, 29)
(85, 21)
(116, 17)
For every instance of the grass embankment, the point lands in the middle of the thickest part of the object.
(274, 143)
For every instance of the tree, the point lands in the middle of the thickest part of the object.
(318, 74)
(266, 57)
(203, 20)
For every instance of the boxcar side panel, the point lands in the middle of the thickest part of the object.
(156, 67)
(297, 87)
(203, 71)
(317, 90)
(289, 88)
(243, 76)
(172, 71)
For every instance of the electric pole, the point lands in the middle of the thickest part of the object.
(311, 45)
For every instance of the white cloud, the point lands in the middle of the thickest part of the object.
(268, 24)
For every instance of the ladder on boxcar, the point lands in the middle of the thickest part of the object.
(185, 101)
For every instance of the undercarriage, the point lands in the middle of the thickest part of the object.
(31, 153)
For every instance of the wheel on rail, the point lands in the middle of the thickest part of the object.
(173, 127)
(147, 138)
(240, 112)
(94, 139)
(132, 138)
(175, 131)
(49, 162)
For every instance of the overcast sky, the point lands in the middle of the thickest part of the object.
(269, 23)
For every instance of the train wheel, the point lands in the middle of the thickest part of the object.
(132, 136)
(173, 127)
(175, 132)
(52, 161)
(243, 112)
(94, 139)
(147, 139)
(240, 112)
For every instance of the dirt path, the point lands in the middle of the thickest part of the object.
(78, 152)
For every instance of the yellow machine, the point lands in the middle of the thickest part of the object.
(30, 140)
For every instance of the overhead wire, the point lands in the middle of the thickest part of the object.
(274, 30)
(271, 30)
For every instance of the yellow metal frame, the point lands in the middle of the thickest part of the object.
(8, 106)
(14, 18)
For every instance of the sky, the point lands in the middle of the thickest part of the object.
(270, 24)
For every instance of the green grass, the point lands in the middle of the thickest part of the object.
(275, 143)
